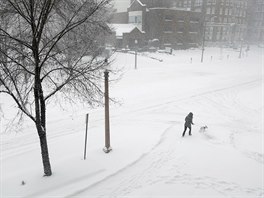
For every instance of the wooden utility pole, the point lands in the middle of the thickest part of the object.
(107, 147)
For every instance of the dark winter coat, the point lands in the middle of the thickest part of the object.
(189, 120)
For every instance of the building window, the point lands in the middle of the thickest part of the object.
(221, 11)
(180, 20)
(198, 3)
(218, 36)
(194, 21)
(167, 29)
(208, 11)
(135, 17)
(168, 18)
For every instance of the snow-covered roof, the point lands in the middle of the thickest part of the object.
(138, 2)
(173, 8)
(120, 29)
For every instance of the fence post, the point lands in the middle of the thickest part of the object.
(86, 130)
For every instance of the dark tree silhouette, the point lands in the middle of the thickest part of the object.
(47, 47)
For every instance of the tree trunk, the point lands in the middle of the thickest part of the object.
(43, 138)
(40, 110)
(41, 128)
(45, 153)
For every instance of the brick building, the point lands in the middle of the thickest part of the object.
(173, 27)
(255, 33)
(185, 23)
(225, 21)
(170, 26)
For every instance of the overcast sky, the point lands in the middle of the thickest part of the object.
(121, 5)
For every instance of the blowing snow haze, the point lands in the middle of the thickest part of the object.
(121, 5)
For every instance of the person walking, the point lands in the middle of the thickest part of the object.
(188, 123)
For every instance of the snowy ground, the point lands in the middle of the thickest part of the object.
(150, 159)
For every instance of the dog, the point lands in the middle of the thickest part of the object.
(203, 129)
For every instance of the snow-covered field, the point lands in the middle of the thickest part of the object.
(150, 159)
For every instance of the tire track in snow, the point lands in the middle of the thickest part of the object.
(176, 100)
(143, 156)
(57, 134)
(161, 166)
(44, 192)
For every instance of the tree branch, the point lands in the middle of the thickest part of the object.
(20, 106)
(16, 62)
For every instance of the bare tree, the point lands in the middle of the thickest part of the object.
(49, 47)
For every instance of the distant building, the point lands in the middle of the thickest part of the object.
(225, 21)
(169, 26)
(178, 29)
(255, 33)
(187, 22)
(127, 36)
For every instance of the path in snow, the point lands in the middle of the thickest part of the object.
(165, 165)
